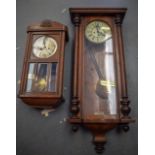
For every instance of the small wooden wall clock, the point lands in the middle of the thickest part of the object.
(42, 76)
(99, 100)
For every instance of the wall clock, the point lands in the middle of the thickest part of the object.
(42, 76)
(99, 99)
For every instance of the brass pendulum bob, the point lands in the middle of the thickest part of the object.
(101, 90)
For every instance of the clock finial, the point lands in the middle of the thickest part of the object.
(46, 23)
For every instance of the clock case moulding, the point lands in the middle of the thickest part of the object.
(46, 99)
(99, 126)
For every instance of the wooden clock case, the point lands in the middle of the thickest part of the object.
(60, 33)
(99, 126)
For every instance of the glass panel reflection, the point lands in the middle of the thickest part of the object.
(31, 77)
(99, 74)
(42, 77)
(52, 79)
(37, 77)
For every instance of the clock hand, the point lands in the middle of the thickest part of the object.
(39, 48)
(44, 42)
(100, 33)
(97, 28)
(49, 53)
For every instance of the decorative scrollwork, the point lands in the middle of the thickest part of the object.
(46, 23)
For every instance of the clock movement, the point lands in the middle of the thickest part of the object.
(42, 75)
(99, 99)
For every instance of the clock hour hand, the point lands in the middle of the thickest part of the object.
(39, 48)
(100, 33)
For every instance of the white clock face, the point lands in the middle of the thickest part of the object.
(44, 47)
(97, 32)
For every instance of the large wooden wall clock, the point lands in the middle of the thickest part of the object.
(99, 100)
(42, 76)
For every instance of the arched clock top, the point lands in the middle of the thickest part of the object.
(48, 25)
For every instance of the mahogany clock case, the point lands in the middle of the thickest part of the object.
(83, 104)
(39, 96)
(113, 17)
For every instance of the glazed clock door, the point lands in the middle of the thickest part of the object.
(99, 76)
(42, 77)
(43, 65)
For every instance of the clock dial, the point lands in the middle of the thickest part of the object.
(44, 47)
(97, 32)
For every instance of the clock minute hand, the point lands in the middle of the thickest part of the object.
(97, 28)
(44, 42)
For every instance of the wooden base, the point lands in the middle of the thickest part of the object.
(99, 129)
(42, 102)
